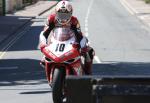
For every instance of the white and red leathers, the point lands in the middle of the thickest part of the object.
(86, 51)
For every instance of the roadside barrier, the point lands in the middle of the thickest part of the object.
(108, 89)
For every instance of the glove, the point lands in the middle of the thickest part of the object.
(84, 50)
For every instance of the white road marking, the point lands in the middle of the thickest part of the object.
(128, 7)
(86, 26)
(97, 59)
(86, 30)
(145, 27)
(87, 17)
(9, 45)
(17, 37)
(4, 68)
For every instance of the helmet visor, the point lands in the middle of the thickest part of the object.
(63, 17)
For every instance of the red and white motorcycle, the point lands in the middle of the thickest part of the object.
(62, 58)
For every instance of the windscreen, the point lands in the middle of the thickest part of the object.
(62, 34)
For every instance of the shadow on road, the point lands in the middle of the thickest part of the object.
(21, 72)
(122, 69)
(28, 42)
(29, 72)
(17, 25)
(10, 25)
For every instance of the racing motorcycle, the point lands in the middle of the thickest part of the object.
(62, 58)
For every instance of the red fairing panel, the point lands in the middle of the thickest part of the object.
(67, 56)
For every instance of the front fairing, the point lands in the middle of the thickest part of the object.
(60, 48)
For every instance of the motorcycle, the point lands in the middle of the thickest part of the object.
(62, 58)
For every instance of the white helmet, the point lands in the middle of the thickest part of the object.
(63, 12)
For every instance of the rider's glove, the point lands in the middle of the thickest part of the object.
(84, 50)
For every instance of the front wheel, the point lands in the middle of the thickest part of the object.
(57, 85)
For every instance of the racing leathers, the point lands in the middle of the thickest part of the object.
(86, 51)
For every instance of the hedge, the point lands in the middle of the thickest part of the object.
(147, 1)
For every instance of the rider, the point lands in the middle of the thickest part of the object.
(61, 18)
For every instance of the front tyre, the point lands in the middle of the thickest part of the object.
(57, 85)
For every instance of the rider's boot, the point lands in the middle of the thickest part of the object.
(88, 55)
(88, 68)
(88, 64)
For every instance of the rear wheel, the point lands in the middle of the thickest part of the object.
(57, 85)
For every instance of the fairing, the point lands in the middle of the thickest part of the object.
(60, 46)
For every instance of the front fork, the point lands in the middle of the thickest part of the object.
(49, 72)
(49, 69)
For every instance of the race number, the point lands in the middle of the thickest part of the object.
(60, 47)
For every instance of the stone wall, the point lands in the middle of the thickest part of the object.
(13, 5)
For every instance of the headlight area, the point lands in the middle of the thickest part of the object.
(48, 60)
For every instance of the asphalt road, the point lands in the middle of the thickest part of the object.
(120, 40)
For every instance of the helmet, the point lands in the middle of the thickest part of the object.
(63, 12)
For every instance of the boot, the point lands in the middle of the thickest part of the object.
(88, 68)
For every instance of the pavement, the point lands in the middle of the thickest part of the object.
(11, 23)
(138, 8)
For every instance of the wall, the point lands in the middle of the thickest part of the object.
(1, 7)
(13, 5)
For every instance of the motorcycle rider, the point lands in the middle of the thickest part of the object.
(62, 18)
